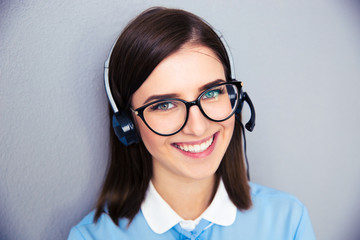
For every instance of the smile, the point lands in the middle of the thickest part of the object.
(195, 148)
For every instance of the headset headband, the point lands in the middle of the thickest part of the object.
(227, 49)
(107, 82)
(107, 62)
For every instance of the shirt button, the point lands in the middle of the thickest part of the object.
(188, 225)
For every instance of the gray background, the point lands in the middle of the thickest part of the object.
(299, 60)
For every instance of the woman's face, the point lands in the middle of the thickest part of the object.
(184, 75)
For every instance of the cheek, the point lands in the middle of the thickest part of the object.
(152, 141)
(142, 129)
(229, 125)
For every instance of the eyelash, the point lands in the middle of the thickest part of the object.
(158, 106)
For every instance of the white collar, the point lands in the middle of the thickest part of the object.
(161, 217)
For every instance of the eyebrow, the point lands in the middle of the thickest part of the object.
(211, 84)
(174, 95)
(159, 97)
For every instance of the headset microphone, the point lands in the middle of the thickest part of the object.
(244, 97)
(251, 123)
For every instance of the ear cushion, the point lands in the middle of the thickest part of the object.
(124, 128)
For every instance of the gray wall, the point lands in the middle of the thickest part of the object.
(299, 60)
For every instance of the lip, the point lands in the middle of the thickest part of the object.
(203, 154)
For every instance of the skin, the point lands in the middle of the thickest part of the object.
(185, 180)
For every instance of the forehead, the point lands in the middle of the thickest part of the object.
(183, 73)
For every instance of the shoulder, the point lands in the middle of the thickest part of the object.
(270, 201)
(87, 220)
(88, 229)
(105, 228)
(260, 192)
(278, 213)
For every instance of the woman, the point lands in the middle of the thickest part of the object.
(177, 168)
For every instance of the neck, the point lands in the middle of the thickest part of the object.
(190, 198)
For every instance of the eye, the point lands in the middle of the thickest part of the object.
(162, 106)
(213, 93)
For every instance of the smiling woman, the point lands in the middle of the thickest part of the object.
(177, 169)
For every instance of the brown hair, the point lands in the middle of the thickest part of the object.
(144, 43)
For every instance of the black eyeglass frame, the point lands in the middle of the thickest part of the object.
(140, 111)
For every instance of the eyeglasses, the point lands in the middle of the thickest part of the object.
(168, 116)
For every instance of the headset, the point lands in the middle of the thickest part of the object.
(122, 121)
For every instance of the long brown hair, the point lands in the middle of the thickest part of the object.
(144, 43)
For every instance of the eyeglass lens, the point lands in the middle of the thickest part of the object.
(169, 115)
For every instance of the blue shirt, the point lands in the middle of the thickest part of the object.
(274, 215)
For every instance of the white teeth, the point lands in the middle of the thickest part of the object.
(196, 148)
(191, 148)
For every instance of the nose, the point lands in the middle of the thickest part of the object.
(197, 123)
